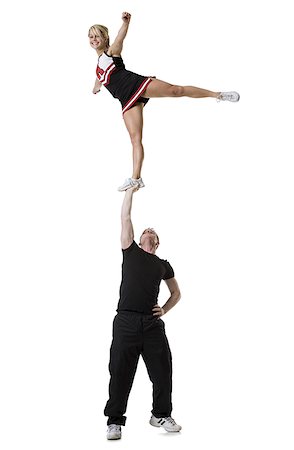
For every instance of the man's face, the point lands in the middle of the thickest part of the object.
(149, 235)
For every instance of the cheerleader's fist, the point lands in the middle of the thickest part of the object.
(126, 17)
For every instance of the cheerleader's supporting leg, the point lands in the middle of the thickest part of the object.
(133, 119)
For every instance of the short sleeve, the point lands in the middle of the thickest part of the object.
(169, 271)
(130, 248)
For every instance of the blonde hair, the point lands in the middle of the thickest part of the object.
(102, 30)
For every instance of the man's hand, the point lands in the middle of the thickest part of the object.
(126, 17)
(133, 188)
(158, 311)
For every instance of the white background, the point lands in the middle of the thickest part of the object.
(219, 192)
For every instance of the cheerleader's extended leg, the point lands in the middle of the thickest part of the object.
(158, 88)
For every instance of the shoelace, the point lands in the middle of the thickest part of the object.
(170, 420)
(224, 96)
(114, 427)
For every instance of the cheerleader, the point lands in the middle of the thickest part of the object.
(134, 91)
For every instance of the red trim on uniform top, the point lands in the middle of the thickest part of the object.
(137, 94)
(105, 72)
(108, 76)
(98, 69)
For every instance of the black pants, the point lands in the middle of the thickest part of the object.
(136, 334)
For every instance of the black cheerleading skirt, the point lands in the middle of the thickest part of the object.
(128, 87)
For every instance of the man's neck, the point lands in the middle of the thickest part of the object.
(149, 248)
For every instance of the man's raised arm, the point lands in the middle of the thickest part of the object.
(127, 232)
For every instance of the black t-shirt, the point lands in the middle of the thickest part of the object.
(142, 273)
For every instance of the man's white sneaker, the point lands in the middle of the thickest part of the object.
(229, 96)
(131, 182)
(113, 431)
(167, 423)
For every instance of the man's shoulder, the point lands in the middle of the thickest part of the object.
(165, 261)
(131, 247)
(169, 271)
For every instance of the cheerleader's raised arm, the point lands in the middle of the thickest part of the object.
(116, 48)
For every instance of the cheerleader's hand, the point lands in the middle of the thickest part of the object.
(126, 17)
(96, 87)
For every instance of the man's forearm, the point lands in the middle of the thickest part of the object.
(172, 301)
(127, 205)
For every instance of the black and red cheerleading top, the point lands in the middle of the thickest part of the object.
(122, 84)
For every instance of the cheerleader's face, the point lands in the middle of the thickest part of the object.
(97, 41)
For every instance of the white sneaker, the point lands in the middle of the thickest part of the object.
(140, 182)
(113, 431)
(229, 96)
(130, 182)
(167, 423)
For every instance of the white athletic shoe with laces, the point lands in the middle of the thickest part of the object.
(231, 96)
(167, 423)
(113, 431)
(130, 182)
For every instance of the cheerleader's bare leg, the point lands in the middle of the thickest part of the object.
(158, 88)
(134, 122)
